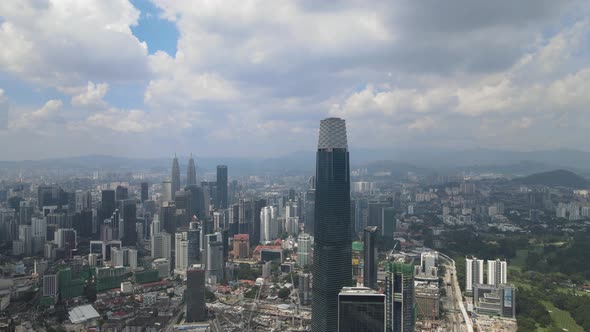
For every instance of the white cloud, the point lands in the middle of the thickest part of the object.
(92, 96)
(47, 114)
(65, 43)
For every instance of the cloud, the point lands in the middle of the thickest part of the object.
(65, 43)
(254, 77)
(92, 96)
(48, 114)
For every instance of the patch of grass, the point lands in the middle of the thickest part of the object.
(562, 319)
(518, 262)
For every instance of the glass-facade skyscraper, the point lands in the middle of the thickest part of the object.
(191, 172)
(175, 179)
(221, 187)
(332, 266)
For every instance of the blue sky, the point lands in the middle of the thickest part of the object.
(253, 78)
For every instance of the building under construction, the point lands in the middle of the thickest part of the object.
(427, 301)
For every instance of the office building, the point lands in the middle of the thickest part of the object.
(181, 252)
(399, 296)
(388, 222)
(196, 311)
(161, 245)
(474, 273)
(194, 243)
(167, 195)
(221, 198)
(25, 212)
(241, 246)
(50, 285)
(25, 234)
(215, 260)
(304, 250)
(127, 222)
(309, 210)
(191, 172)
(497, 272)
(183, 205)
(494, 300)
(370, 257)
(162, 265)
(175, 178)
(303, 288)
(121, 193)
(144, 191)
(361, 309)
(107, 204)
(268, 224)
(332, 266)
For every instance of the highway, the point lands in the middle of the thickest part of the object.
(458, 318)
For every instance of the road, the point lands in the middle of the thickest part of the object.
(457, 315)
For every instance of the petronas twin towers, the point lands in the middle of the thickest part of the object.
(191, 174)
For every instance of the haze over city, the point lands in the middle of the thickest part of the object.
(248, 78)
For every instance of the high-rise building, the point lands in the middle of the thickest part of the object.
(194, 243)
(332, 266)
(303, 288)
(268, 224)
(181, 252)
(50, 285)
(309, 210)
(388, 226)
(25, 212)
(191, 172)
(215, 260)
(144, 191)
(196, 311)
(241, 246)
(474, 273)
(497, 272)
(361, 309)
(303, 250)
(175, 177)
(107, 204)
(121, 193)
(25, 234)
(127, 222)
(399, 297)
(370, 257)
(183, 202)
(221, 199)
(161, 245)
(167, 192)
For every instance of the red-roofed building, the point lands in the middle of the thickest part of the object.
(259, 248)
(241, 246)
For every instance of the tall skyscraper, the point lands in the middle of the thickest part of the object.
(221, 198)
(215, 260)
(309, 210)
(370, 258)
(107, 204)
(332, 266)
(196, 311)
(191, 172)
(128, 219)
(175, 177)
(144, 191)
(361, 309)
(303, 250)
(181, 252)
(399, 297)
(268, 224)
(167, 192)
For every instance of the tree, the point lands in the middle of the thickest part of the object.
(284, 293)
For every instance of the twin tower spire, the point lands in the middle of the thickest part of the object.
(191, 173)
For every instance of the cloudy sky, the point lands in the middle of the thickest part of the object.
(236, 78)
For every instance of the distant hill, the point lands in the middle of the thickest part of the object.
(557, 178)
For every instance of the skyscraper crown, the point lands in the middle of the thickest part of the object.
(332, 134)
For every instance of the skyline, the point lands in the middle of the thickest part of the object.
(138, 78)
